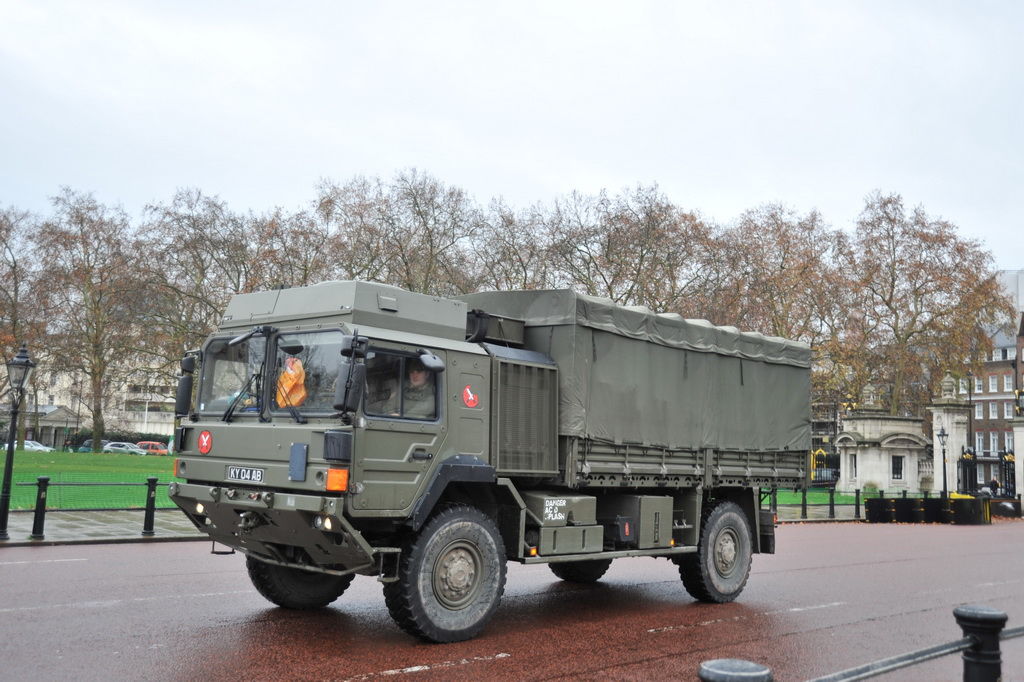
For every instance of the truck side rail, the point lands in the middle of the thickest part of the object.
(597, 463)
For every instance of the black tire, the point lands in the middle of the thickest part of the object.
(581, 571)
(719, 569)
(293, 588)
(450, 578)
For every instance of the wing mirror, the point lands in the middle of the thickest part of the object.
(433, 363)
(183, 396)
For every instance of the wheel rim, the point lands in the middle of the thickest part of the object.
(726, 550)
(457, 574)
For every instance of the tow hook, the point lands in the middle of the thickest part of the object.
(248, 521)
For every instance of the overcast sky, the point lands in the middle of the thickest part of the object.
(724, 105)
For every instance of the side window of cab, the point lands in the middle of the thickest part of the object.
(400, 386)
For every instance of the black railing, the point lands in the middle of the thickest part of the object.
(902, 505)
(982, 627)
(43, 486)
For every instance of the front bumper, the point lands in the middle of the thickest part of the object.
(283, 527)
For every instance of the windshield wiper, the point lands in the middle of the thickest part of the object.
(247, 390)
(296, 415)
(262, 330)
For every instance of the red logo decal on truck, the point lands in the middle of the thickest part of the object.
(205, 442)
(471, 399)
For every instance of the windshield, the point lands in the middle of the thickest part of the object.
(228, 371)
(306, 371)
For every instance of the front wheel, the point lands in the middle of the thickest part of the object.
(450, 578)
(293, 588)
(719, 569)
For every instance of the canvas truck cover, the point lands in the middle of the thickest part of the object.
(628, 375)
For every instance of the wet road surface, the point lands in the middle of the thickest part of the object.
(834, 596)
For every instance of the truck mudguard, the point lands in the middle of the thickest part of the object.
(457, 469)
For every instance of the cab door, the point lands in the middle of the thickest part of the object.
(403, 434)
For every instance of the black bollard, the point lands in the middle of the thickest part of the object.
(733, 670)
(803, 503)
(926, 492)
(147, 523)
(904, 494)
(39, 518)
(831, 503)
(881, 494)
(983, 624)
(856, 503)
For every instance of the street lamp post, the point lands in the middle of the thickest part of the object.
(943, 437)
(970, 409)
(19, 369)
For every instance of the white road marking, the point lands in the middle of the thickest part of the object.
(115, 602)
(424, 668)
(705, 623)
(42, 561)
(798, 609)
(1001, 582)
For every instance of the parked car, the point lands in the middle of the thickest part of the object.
(30, 446)
(153, 447)
(86, 445)
(127, 448)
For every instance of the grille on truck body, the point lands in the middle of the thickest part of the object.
(525, 427)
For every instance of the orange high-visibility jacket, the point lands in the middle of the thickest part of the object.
(291, 384)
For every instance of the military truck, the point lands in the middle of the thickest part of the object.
(354, 428)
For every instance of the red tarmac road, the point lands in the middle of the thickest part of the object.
(835, 596)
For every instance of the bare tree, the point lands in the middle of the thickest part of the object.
(413, 232)
(926, 297)
(91, 264)
(783, 277)
(511, 250)
(636, 248)
(16, 278)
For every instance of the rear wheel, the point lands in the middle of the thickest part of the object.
(450, 578)
(293, 588)
(719, 569)
(581, 571)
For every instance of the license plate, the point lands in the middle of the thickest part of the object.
(247, 474)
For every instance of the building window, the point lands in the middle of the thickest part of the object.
(1007, 382)
(993, 410)
(1009, 441)
(897, 467)
(853, 466)
(997, 354)
(979, 442)
(963, 386)
(979, 410)
(978, 386)
(993, 383)
(1008, 410)
(993, 442)
(1011, 353)
(49, 400)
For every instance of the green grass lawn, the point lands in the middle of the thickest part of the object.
(67, 468)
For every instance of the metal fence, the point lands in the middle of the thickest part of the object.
(983, 630)
(88, 491)
(804, 503)
(43, 491)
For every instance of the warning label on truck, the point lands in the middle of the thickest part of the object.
(554, 509)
